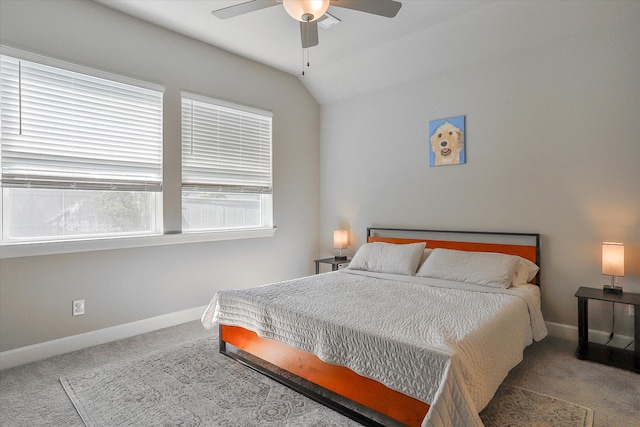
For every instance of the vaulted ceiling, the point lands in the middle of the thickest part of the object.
(367, 52)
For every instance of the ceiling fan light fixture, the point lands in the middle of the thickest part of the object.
(306, 10)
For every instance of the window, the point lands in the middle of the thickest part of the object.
(81, 155)
(226, 166)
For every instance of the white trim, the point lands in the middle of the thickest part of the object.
(570, 333)
(560, 330)
(32, 353)
(49, 248)
(77, 68)
(227, 104)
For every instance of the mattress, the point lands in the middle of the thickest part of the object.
(449, 344)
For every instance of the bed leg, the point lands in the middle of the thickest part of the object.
(222, 344)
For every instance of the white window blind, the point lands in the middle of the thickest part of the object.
(63, 129)
(225, 148)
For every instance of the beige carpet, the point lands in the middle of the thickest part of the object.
(192, 385)
(31, 395)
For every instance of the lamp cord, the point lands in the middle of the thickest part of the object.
(613, 321)
(613, 324)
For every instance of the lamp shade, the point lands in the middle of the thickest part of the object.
(613, 258)
(340, 239)
(306, 10)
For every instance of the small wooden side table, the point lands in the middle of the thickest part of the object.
(335, 263)
(612, 356)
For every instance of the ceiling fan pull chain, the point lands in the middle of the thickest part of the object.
(304, 50)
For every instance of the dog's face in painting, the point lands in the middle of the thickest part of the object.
(446, 143)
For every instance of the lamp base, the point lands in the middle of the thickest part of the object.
(616, 290)
(340, 257)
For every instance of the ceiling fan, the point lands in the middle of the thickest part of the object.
(309, 11)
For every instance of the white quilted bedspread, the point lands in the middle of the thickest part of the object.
(444, 343)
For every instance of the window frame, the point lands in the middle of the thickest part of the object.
(140, 91)
(18, 250)
(238, 110)
(38, 248)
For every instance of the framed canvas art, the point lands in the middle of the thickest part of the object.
(447, 141)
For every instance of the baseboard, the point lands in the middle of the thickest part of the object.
(560, 330)
(570, 333)
(32, 353)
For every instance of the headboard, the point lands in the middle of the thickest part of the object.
(525, 245)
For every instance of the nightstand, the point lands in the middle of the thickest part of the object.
(335, 263)
(621, 358)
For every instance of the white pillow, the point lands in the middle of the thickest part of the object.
(480, 268)
(382, 257)
(525, 272)
(425, 255)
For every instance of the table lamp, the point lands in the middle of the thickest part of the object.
(612, 264)
(340, 242)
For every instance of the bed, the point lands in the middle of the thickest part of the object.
(422, 327)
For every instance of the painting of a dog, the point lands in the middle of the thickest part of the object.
(447, 141)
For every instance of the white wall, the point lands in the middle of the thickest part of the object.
(553, 147)
(128, 285)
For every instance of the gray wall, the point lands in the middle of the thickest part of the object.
(122, 286)
(553, 147)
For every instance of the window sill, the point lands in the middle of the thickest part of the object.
(18, 250)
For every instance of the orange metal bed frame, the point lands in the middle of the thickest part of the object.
(341, 380)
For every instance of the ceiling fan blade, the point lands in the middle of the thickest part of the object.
(309, 33)
(387, 8)
(242, 8)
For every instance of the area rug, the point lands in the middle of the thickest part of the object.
(517, 407)
(191, 384)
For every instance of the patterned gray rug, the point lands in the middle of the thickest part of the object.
(193, 385)
(517, 407)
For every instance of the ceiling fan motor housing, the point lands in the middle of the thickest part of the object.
(306, 10)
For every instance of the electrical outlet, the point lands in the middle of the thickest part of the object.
(78, 307)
